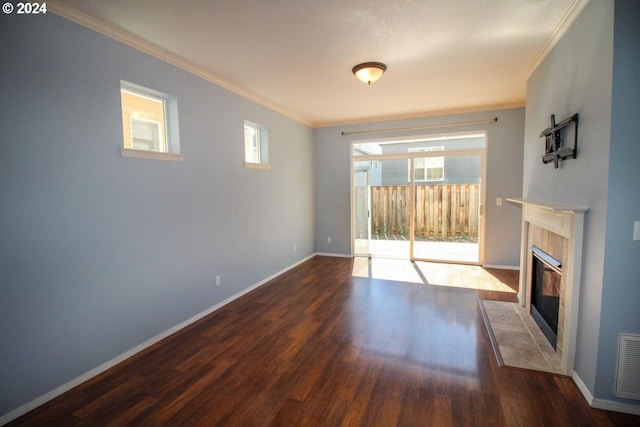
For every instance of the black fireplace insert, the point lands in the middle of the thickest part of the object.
(546, 275)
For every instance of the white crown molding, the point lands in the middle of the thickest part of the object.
(438, 113)
(136, 42)
(162, 54)
(572, 13)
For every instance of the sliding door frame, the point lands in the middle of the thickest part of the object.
(482, 152)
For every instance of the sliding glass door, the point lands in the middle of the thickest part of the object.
(362, 207)
(447, 216)
(419, 199)
(381, 212)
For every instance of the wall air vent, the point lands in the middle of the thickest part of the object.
(628, 370)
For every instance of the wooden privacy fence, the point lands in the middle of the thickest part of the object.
(442, 211)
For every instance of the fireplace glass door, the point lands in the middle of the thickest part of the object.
(545, 293)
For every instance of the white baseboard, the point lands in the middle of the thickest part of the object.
(502, 267)
(610, 405)
(607, 405)
(10, 416)
(582, 387)
(334, 255)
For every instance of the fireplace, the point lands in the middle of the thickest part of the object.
(546, 275)
(557, 230)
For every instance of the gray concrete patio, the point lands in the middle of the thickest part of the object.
(431, 250)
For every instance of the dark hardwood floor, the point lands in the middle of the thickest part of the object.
(320, 346)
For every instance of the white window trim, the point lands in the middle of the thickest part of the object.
(262, 146)
(170, 130)
(151, 155)
(250, 165)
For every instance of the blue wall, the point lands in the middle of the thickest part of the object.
(621, 287)
(99, 252)
(593, 71)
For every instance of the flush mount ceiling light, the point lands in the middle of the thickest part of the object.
(369, 72)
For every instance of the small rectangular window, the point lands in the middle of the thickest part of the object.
(256, 144)
(149, 123)
(428, 168)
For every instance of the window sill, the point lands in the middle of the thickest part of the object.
(257, 166)
(152, 155)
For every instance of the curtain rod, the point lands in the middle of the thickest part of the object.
(441, 125)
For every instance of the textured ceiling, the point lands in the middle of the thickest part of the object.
(296, 55)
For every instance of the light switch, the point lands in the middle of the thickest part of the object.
(499, 201)
(636, 230)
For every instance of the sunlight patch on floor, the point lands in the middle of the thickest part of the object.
(400, 270)
(461, 276)
(431, 273)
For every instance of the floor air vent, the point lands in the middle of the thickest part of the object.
(628, 372)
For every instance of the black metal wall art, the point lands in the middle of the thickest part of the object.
(553, 150)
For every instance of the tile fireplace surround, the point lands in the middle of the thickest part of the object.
(557, 229)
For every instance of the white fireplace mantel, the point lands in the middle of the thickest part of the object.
(567, 221)
(552, 206)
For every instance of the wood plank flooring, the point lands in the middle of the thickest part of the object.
(318, 346)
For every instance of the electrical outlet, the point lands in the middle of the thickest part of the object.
(329, 239)
(294, 247)
(218, 281)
